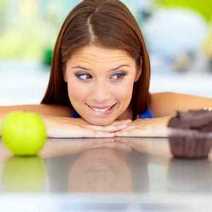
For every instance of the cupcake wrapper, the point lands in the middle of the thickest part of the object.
(189, 144)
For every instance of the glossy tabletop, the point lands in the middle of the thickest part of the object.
(125, 174)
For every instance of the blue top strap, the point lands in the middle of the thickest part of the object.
(74, 114)
(146, 114)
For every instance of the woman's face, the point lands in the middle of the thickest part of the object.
(100, 83)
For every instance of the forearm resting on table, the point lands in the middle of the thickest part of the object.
(57, 118)
(56, 125)
(62, 127)
(155, 127)
(153, 122)
(67, 127)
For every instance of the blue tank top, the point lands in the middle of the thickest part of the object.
(146, 114)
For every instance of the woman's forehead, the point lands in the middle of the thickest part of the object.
(100, 55)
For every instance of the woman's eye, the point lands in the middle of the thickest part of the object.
(120, 75)
(83, 76)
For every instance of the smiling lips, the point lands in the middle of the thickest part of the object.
(102, 110)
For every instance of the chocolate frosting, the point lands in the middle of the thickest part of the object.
(200, 120)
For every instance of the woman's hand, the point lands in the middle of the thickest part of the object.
(114, 127)
(156, 127)
(62, 127)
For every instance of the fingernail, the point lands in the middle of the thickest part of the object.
(122, 126)
(111, 135)
(127, 121)
(127, 127)
(131, 127)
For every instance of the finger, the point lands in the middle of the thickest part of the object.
(129, 131)
(99, 134)
(127, 121)
(110, 128)
(89, 133)
(116, 123)
(123, 134)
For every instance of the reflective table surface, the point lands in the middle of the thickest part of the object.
(125, 174)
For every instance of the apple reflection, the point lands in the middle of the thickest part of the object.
(24, 174)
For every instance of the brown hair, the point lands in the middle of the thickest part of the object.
(110, 24)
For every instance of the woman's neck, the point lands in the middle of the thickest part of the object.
(126, 115)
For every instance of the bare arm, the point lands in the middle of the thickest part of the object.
(59, 122)
(167, 103)
(54, 110)
(164, 105)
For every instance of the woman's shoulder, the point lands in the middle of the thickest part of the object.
(56, 110)
(163, 94)
(167, 103)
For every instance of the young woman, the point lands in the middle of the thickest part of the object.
(100, 76)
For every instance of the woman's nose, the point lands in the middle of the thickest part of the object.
(101, 93)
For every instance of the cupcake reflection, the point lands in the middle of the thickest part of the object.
(189, 147)
(190, 176)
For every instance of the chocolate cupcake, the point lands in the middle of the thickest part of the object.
(191, 134)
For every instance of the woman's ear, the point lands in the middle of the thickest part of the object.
(138, 70)
(64, 74)
(138, 74)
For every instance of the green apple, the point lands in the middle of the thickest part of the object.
(23, 133)
(24, 174)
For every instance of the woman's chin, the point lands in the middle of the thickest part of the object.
(102, 122)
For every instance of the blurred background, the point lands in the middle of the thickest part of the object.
(178, 35)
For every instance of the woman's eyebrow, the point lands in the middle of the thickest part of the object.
(118, 67)
(113, 69)
(80, 67)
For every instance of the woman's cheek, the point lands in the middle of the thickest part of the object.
(123, 94)
(125, 90)
(77, 91)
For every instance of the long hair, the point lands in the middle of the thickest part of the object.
(107, 23)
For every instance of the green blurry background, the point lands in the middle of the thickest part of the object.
(178, 34)
(202, 7)
(29, 27)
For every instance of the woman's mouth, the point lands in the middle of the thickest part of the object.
(102, 110)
